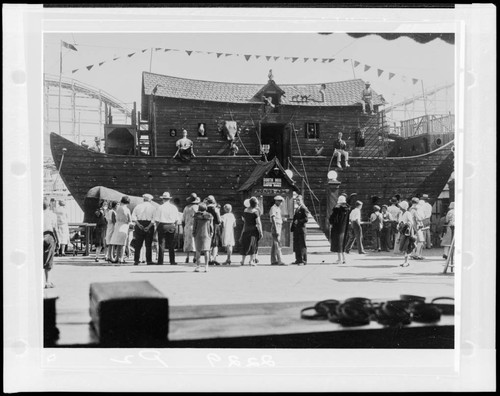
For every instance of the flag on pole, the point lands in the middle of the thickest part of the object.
(367, 67)
(391, 75)
(356, 63)
(70, 46)
(379, 72)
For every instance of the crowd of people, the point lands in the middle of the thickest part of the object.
(403, 227)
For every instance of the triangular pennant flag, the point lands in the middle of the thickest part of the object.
(268, 57)
(391, 75)
(101, 63)
(305, 60)
(367, 67)
(167, 49)
(356, 63)
(315, 59)
(324, 60)
(90, 67)
(116, 58)
(189, 52)
(414, 80)
(228, 54)
(287, 57)
(131, 55)
(331, 60)
(345, 60)
(157, 49)
(219, 54)
(294, 59)
(247, 57)
(276, 57)
(379, 72)
(257, 56)
(70, 46)
(74, 71)
(144, 50)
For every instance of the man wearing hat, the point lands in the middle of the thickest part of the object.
(142, 217)
(300, 218)
(394, 211)
(367, 97)
(426, 209)
(276, 224)
(166, 218)
(357, 232)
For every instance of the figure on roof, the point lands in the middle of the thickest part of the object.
(340, 149)
(184, 148)
(367, 98)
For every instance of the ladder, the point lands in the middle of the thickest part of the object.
(144, 142)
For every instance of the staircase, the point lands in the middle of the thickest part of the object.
(316, 241)
(144, 142)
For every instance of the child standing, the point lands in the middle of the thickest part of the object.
(228, 225)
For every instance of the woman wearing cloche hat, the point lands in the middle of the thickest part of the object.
(339, 221)
(187, 222)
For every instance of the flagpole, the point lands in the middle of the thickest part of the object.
(423, 95)
(353, 72)
(60, 78)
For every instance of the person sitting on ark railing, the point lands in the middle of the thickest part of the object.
(184, 148)
(367, 98)
(340, 149)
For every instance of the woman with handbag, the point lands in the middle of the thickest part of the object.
(407, 231)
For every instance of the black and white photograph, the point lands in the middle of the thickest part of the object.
(239, 194)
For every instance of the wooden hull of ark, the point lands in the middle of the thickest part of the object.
(221, 176)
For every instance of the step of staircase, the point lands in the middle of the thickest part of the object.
(316, 240)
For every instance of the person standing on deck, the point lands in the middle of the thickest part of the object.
(166, 218)
(276, 225)
(300, 218)
(187, 222)
(367, 98)
(426, 208)
(143, 216)
(357, 234)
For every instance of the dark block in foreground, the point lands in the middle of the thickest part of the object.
(129, 314)
(50, 330)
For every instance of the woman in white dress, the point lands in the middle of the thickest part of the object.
(120, 233)
(62, 227)
(111, 219)
(449, 230)
(187, 222)
(228, 225)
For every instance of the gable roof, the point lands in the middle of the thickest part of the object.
(260, 170)
(340, 93)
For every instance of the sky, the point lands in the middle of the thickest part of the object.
(431, 63)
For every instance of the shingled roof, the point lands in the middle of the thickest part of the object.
(341, 93)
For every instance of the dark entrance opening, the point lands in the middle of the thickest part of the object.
(277, 136)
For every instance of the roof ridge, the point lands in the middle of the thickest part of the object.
(252, 84)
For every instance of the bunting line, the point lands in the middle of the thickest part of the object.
(247, 57)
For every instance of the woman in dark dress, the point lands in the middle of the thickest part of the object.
(100, 229)
(251, 233)
(339, 221)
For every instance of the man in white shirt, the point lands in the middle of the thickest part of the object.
(143, 216)
(418, 215)
(394, 211)
(166, 218)
(50, 241)
(276, 224)
(356, 233)
(426, 208)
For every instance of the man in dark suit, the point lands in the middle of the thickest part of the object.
(299, 231)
